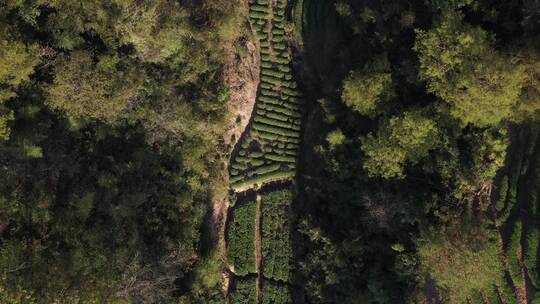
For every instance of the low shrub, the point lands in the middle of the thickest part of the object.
(241, 238)
(245, 291)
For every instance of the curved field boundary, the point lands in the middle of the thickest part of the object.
(516, 210)
(266, 153)
(268, 148)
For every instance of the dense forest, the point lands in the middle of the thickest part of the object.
(392, 154)
(111, 113)
(420, 108)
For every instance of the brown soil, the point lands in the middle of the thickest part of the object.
(227, 277)
(217, 223)
(219, 216)
(242, 74)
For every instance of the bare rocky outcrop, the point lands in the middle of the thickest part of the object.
(241, 73)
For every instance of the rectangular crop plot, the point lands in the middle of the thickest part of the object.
(241, 238)
(276, 243)
(244, 291)
(275, 293)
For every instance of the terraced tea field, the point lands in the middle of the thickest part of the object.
(516, 211)
(262, 168)
(267, 150)
(313, 17)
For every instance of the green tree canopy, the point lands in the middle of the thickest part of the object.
(101, 91)
(17, 63)
(460, 65)
(461, 258)
(405, 138)
(335, 138)
(157, 29)
(364, 91)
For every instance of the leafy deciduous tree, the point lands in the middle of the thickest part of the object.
(100, 91)
(405, 138)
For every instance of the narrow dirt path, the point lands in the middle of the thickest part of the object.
(218, 223)
(258, 246)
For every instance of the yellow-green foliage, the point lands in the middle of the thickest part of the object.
(405, 138)
(84, 89)
(461, 66)
(461, 258)
(17, 61)
(335, 138)
(363, 91)
(5, 117)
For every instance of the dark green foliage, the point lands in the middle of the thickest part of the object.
(491, 295)
(502, 193)
(512, 249)
(266, 169)
(462, 73)
(508, 294)
(476, 297)
(275, 130)
(241, 238)
(114, 109)
(275, 293)
(245, 291)
(530, 254)
(280, 158)
(277, 123)
(114, 201)
(276, 238)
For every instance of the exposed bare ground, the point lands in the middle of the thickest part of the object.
(219, 216)
(241, 73)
